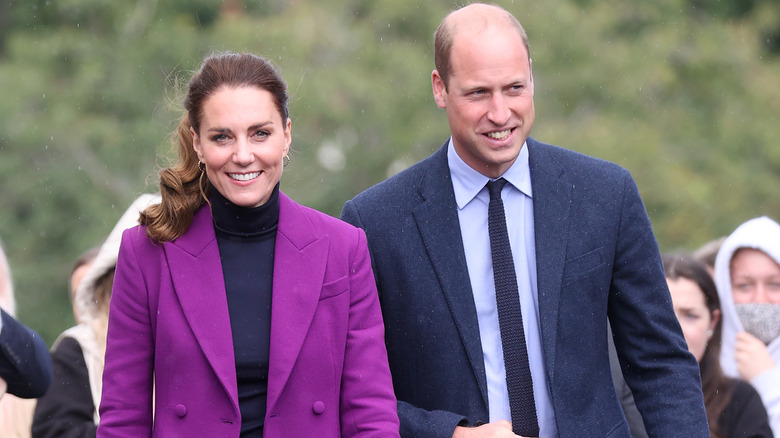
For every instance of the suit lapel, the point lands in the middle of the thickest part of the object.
(437, 220)
(552, 197)
(300, 260)
(196, 271)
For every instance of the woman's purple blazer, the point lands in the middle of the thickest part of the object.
(169, 337)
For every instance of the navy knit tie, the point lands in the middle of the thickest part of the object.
(510, 320)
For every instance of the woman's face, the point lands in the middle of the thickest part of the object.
(755, 277)
(692, 312)
(242, 142)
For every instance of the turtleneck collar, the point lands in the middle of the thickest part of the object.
(234, 220)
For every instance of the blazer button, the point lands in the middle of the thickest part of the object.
(318, 408)
(180, 410)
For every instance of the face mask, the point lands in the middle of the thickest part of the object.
(761, 320)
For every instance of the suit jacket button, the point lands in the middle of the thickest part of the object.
(318, 408)
(180, 410)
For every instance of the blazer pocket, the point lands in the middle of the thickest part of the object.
(584, 264)
(334, 288)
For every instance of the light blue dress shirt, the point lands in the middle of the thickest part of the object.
(472, 198)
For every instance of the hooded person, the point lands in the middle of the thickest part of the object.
(69, 409)
(747, 275)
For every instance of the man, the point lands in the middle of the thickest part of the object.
(25, 364)
(582, 250)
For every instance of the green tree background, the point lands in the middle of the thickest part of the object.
(683, 93)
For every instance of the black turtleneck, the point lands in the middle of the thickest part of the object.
(246, 238)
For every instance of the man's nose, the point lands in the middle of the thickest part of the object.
(499, 111)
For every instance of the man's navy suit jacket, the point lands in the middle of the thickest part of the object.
(597, 258)
(25, 364)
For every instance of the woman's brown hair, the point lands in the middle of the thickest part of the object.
(184, 187)
(716, 387)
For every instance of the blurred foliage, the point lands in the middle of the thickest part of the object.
(683, 93)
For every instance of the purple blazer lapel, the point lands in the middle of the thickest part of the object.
(196, 272)
(299, 270)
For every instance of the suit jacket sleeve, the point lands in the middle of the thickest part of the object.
(126, 403)
(415, 422)
(662, 374)
(67, 410)
(25, 364)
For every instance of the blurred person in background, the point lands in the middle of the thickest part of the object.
(25, 365)
(747, 274)
(734, 408)
(708, 252)
(250, 315)
(69, 409)
(77, 274)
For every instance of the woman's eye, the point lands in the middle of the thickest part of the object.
(219, 138)
(262, 133)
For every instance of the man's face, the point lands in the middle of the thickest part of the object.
(489, 98)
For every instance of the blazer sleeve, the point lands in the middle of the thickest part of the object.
(662, 374)
(414, 421)
(25, 364)
(67, 410)
(126, 403)
(368, 404)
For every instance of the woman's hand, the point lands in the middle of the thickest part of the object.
(752, 356)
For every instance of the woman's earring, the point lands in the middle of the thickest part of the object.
(286, 160)
(709, 334)
(201, 167)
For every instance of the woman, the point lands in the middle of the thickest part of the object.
(250, 315)
(734, 408)
(69, 408)
(77, 273)
(747, 273)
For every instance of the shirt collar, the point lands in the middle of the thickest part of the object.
(467, 182)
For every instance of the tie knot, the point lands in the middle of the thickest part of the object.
(494, 187)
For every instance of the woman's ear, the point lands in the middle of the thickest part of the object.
(196, 143)
(715, 319)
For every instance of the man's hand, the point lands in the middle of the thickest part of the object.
(752, 356)
(498, 429)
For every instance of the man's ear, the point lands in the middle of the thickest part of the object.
(439, 89)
